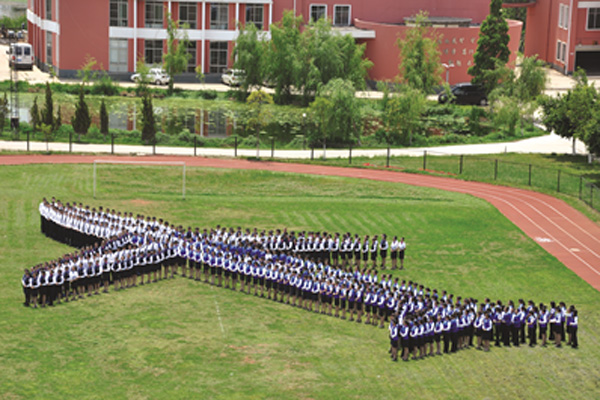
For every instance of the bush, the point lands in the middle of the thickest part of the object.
(186, 136)
(208, 94)
(104, 86)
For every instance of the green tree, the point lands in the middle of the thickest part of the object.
(148, 120)
(517, 97)
(282, 56)
(103, 118)
(492, 48)
(250, 54)
(3, 112)
(258, 114)
(47, 131)
(143, 82)
(176, 58)
(574, 114)
(87, 72)
(420, 65)
(401, 117)
(34, 114)
(58, 119)
(81, 120)
(47, 113)
(337, 113)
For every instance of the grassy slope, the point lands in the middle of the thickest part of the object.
(166, 340)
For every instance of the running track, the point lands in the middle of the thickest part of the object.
(561, 230)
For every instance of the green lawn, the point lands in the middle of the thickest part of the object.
(183, 339)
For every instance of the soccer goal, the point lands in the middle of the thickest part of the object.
(157, 163)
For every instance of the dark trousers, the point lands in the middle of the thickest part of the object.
(506, 335)
(27, 293)
(447, 337)
(515, 335)
(574, 342)
(523, 333)
(498, 332)
(532, 336)
(454, 342)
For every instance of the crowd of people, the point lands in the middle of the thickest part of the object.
(334, 274)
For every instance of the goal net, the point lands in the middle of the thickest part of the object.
(130, 177)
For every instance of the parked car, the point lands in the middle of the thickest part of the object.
(232, 77)
(466, 93)
(158, 76)
(20, 55)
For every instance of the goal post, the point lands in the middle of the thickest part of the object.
(159, 163)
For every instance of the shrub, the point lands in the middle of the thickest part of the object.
(208, 94)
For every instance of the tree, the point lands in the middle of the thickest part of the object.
(47, 113)
(574, 114)
(34, 113)
(176, 58)
(420, 65)
(148, 121)
(337, 113)
(258, 113)
(3, 112)
(103, 118)
(143, 82)
(87, 73)
(401, 115)
(282, 56)
(517, 96)
(81, 120)
(58, 119)
(249, 54)
(492, 47)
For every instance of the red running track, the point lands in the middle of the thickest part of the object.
(560, 229)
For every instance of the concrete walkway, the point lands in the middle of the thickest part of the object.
(544, 144)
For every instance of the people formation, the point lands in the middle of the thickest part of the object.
(340, 275)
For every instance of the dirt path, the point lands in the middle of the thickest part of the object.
(560, 229)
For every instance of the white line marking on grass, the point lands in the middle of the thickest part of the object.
(218, 314)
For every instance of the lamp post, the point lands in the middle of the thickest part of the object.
(447, 67)
(304, 126)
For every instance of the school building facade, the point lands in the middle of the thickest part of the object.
(118, 32)
(564, 33)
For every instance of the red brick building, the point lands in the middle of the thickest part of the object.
(564, 33)
(117, 32)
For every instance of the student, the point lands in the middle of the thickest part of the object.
(393, 327)
(555, 326)
(404, 340)
(543, 324)
(383, 249)
(394, 248)
(572, 325)
(401, 251)
(487, 331)
(531, 325)
(373, 251)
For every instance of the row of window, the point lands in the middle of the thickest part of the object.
(593, 18)
(153, 54)
(188, 14)
(219, 14)
(341, 13)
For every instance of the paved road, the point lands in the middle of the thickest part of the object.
(547, 144)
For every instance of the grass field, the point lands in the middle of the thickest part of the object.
(183, 339)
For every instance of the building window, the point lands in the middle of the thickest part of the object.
(191, 50)
(255, 15)
(318, 11)
(153, 52)
(218, 57)
(593, 18)
(564, 52)
(341, 15)
(154, 14)
(188, 14)
(219, 16)
(49, 48)
(560, 16)
(563, 16)
(566, 17)
(48, 9)
(558, 50)
(118, 54)
(118, 13)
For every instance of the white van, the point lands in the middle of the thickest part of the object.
(21, 55)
